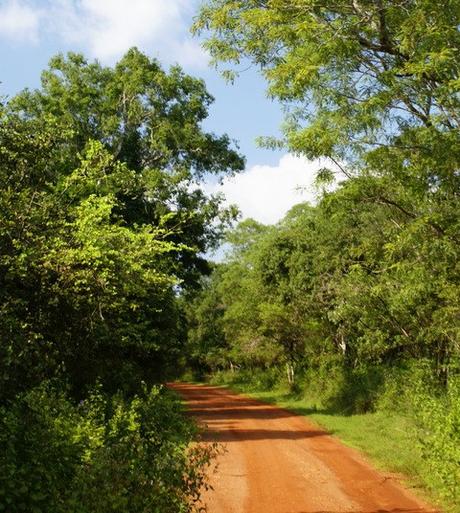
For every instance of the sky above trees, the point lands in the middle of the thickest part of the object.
(32, 31)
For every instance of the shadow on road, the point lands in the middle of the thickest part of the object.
(246, 412)
(242, 435)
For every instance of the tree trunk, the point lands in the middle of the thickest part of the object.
(290, 374)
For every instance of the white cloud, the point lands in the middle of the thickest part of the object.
(266, 193)
(19, 21)
(105, 29)
(191, 54)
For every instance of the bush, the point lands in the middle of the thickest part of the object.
(331, 385)
(106, 454)
(250, 378)
(402, 383)
(439, 435)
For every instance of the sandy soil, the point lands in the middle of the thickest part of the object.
(277, 462)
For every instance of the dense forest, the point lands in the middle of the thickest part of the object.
(106, 291)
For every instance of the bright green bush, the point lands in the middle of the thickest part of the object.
(439, 435)
(106, 454)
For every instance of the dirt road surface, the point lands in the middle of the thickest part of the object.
(277, 462)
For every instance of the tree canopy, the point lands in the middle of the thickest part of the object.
(102, 217)
(355, 74)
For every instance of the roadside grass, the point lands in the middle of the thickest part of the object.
(387, 438)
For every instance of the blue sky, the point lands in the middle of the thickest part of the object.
(31, 31)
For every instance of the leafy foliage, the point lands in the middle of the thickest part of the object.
(105, 454)
(367, 281)
(102, 222)
(97, 233)
(372, 271)
(355, 73)
(149, 120)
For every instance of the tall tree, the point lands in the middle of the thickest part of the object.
(151, 121)
(102, 219)
(373, 86)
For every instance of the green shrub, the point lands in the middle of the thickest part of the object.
(439, 434)
(107, 454)
(250, 378)
(332, 386)
(266, 379)
(402, 383)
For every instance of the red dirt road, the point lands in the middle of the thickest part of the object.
(278, 462)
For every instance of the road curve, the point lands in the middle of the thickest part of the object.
(278, 462)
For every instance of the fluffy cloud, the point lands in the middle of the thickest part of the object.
(19, 21)
(107, 28)
(266, 193)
